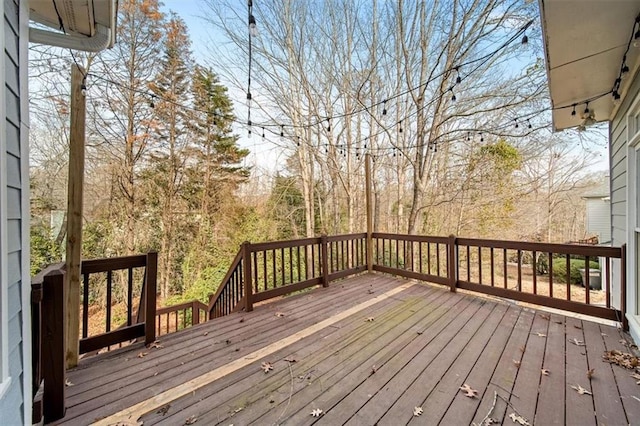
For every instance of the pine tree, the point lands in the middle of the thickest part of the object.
(171, 90)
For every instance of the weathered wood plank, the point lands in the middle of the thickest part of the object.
(609, 409)
(551, 393)
(580, 410)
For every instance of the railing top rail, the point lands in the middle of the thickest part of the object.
(230, 272)
(113, 264)
(346, 237)
(271, 245)
(575, 249)
(39, 277)
(173, 308)
(407, 237)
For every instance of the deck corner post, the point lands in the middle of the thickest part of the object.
(151, 276)
(195, 313)
(325, 260)
(623, 287)
(248, 284)
(54, 335)
(452, 263)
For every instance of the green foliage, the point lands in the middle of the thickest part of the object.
(287, 207)
(560, 270)
(44, 249)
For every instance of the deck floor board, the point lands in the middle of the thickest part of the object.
(425, 342)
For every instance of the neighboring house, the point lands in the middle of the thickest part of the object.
(88, 26)
(588, 46)
(598, 205)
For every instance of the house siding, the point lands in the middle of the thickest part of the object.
(598, 219)
(12, 403)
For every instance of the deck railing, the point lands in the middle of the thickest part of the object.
(48, 315)
(264, 271)
(178, 317)
(139, 318)
(523, 271)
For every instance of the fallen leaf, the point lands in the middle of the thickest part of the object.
(373, 370)
(228, 342)
(522, 349)
(237, 410)
(581, 390)
(545, 316)
(241, 320)
(637, 377)
(370, 291)
(590, 373)
(164, 409)
(191, 420)
(468, 391)
(205, 333)
(544, 372)
(67, 382)
(316, 413)
(369, 319)
(516, 363)
(489, 421)
(557, 322)
(266, 367)
(623, 359)
(624, 342)
(577, 326)
(280, 314)
(519, 419)
(155, 345)
(537, 333)
(604, 334)
(142, 354)
(577, 342)
(290, 359)
(417, 411)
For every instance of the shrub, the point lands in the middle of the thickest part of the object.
(560, 270)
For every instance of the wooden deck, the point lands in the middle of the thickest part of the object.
(364, 356)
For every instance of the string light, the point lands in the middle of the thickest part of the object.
(458, 78)
(384, 107)
(573, 112)
(516, 120)
(328, 124)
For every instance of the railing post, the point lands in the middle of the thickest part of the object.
(195, 313)
(151, 275)
(367, 172)
(248, 283)
(452, 263)
(325, 260)
(623, 287)
(53, 344)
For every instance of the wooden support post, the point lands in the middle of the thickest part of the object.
(367, 172)
(452, 263)
(324, 254)
(151, 277)
(53, 345)
(195, 313)
(623, 287)
(248, 283)
(74, 214)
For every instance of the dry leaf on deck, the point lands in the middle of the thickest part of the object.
(369, 319)
(290, 359)
(280, 314)
(142, 354)
(537, 333)
(164, 409)
(590, 373)
(623, 342)
(623, 359)
(373, 370)
(370, 291)
(316, 412)
(516, 363)
(637, 377)
(191, 420)
(205, 333)
(522, 349)
(468, 391)
(519, 419)
(544, 372)
(581, 390)
(545, 316)
(417, 411)
(266, 367)
(155, 345)
(577, 326)
(68, 383)
(577, 342)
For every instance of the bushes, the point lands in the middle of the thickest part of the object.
(560, 270)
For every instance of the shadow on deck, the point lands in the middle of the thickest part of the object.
(367, 350)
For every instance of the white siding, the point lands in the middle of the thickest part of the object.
(12, 403)
(599, 219)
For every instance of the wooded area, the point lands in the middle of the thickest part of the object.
(443, 96)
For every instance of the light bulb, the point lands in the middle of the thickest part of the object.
(253, 28)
